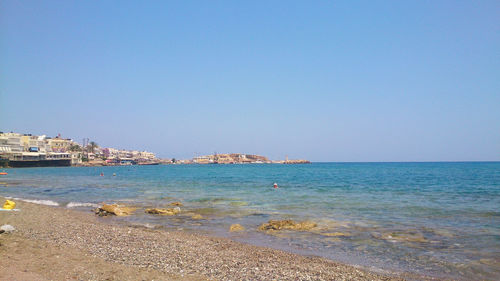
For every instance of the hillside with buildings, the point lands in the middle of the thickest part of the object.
(27, 150)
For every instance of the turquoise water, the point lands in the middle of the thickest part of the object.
(441, 219)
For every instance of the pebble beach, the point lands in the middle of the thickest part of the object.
(53, 243)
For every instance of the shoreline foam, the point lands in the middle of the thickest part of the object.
(36, 201)
(81, 204)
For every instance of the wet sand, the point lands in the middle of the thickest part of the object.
(53, 243)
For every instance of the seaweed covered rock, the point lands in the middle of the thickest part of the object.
(236, 227)
(164, 212)
(114, 209)
(287, 224)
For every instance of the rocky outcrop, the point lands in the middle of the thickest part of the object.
(239, 158)
(230, 158)
(163, 212)
(114, 209)
(288, 225)
(178, 204)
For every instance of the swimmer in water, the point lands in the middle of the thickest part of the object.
(275, 185)
(102, 174)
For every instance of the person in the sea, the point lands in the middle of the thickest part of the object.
(275, 185)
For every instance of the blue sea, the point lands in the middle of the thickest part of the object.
(438, 219)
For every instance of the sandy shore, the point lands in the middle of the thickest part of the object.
(52, 243)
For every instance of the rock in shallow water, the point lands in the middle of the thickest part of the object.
(236, 227)
(197, 217)
(165, 212)
(287, 224)
(114, 209)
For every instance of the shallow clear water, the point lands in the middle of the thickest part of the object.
(441, 219)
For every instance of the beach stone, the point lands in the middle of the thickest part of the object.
(164, 212)
(178, 204)
(115, 209)
(236, 227)
(6, 228)
(100, 212)
(287, 224)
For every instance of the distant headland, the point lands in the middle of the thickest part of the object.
(28, 150)
(239, 158)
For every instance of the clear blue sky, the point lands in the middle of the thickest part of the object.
(321, 80)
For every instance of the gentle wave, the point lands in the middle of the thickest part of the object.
(35, 201)
(81, 204)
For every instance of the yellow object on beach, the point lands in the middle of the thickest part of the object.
(9, 205)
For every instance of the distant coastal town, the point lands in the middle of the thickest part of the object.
(28, 150)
